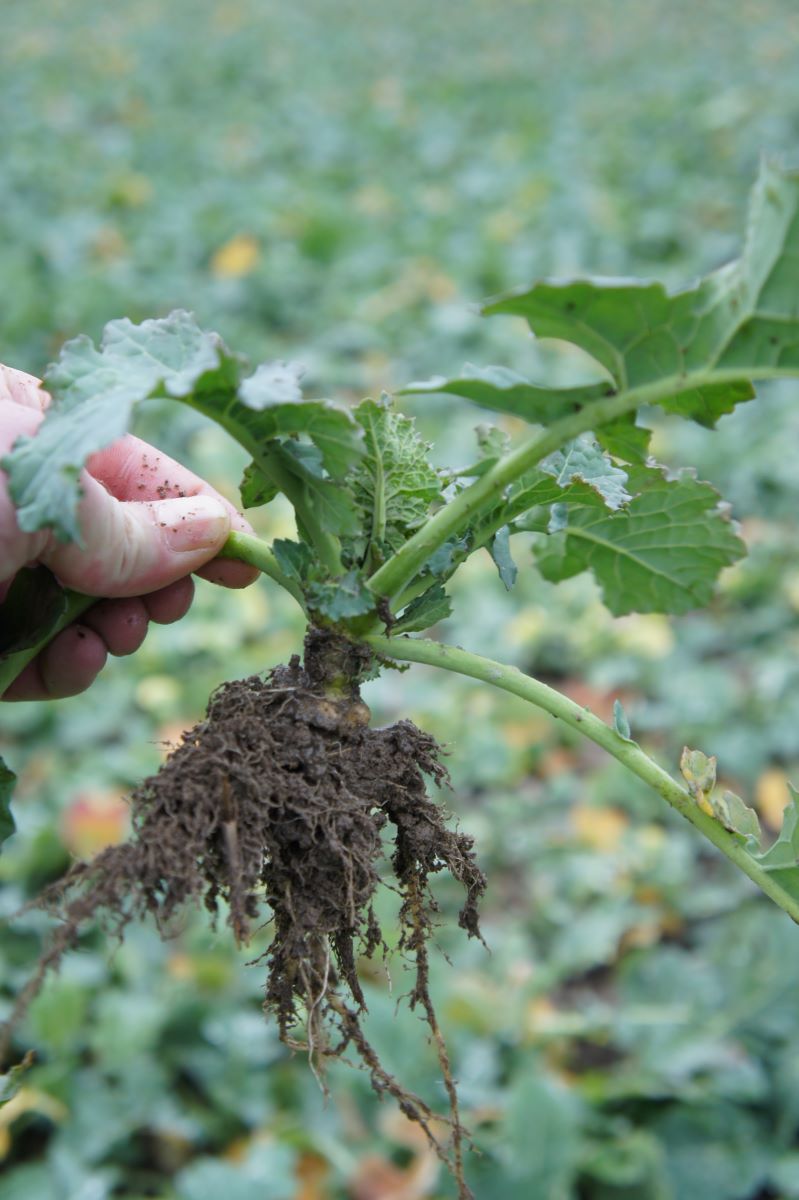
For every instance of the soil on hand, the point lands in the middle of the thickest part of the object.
(282, 795)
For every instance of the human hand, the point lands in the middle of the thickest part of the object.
(147, 524)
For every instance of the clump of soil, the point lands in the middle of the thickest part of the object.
(281, 795)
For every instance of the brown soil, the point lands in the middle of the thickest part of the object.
(281, 795)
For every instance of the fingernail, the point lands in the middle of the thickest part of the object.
(193, 523)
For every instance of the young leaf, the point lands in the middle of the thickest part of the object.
(432, 606)
(442, 560)
(621, 722)
(699, 772)
(492, 444)
(338, 599)
(499, 549)
(706, 342)
(662, 553)
(735, 815)
(255, 489)
(95, 390)
(7, 781)
(393, 483)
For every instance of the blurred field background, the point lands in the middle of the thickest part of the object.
(340, 184)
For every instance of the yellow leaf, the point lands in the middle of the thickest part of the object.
(236, 258)
(771, 797)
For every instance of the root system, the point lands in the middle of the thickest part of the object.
(276, 804)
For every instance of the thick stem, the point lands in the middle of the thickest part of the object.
(249, 549)
(511, 679)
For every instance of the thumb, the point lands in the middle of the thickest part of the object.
(131, 548)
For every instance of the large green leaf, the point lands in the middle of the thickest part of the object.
(503, 390)
(662, 553)
(703, 344)
(95, 390)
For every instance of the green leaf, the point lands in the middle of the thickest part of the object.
(338, 599)
(738, 324)
(492, 444)
(662, 553)
(7, 782)
(582, 459)
(503, 390)
(295, 559)
(297, 471)
(95, 390)
(93, 393)
(255, 489)
(785, 850)
(432, 606)
(620, 721)
(625, 440)
(32, 607)
(393, 483)
(273, 391)
(445, 557)
(782, 858)
(735, 815)
(499, 549)
(699, 771)
(706, 403)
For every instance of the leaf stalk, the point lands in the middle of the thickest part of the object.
(629, 753)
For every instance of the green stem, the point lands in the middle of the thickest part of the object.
(248, 549)
(325, 544)
(394, 576)
(510, 679)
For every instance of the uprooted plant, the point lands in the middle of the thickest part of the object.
(279, 801)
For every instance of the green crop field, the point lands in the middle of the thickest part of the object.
(341, 185)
